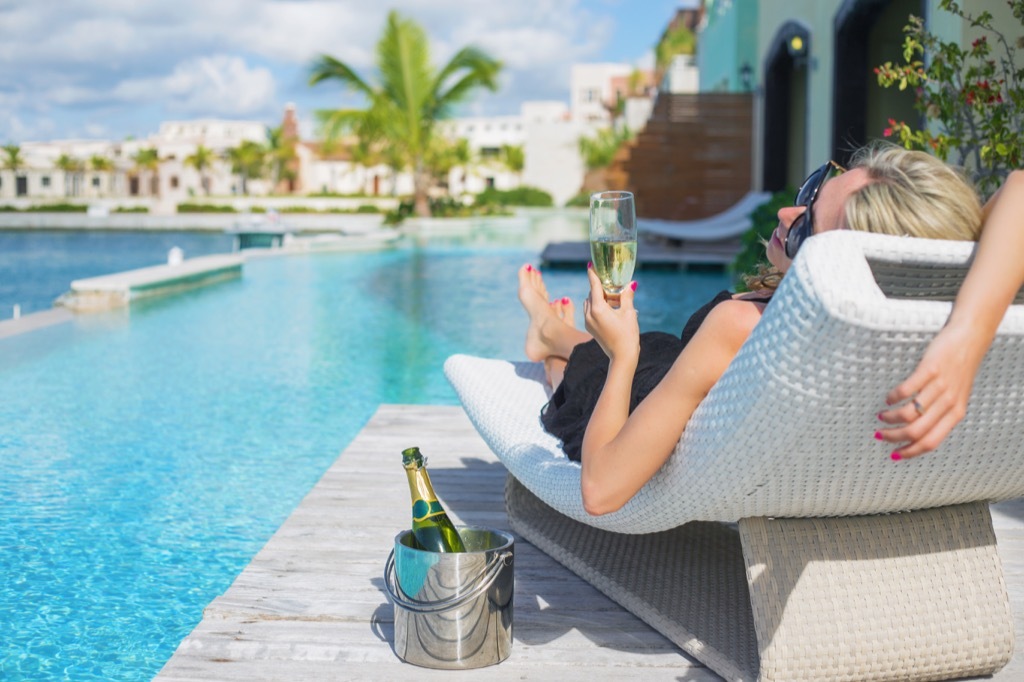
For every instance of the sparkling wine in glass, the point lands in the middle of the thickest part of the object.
(613, 239)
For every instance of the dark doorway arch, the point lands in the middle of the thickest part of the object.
(785, 82)
(856, 25)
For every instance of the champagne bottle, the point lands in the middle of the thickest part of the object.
(431, 527)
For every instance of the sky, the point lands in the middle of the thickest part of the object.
(112, 69)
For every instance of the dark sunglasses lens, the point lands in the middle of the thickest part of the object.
(798, 232)
(811, 184)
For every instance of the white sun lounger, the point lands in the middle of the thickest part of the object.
(844, 564)
(732, 222)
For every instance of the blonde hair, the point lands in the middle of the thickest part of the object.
(912, 194)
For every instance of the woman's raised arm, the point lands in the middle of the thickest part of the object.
(622, 451)
(940, 386)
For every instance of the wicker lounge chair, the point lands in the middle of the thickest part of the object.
(843, 565)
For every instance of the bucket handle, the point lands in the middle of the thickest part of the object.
(478, 586)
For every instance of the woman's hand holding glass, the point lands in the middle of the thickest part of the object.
(615, 329)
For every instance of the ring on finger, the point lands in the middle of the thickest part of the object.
(918, 406)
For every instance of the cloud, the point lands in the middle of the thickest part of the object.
(66, 61)
(204, 86)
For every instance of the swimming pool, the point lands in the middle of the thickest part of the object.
(148, 455)
(37, 266)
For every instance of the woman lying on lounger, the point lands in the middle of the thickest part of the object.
(622, 399)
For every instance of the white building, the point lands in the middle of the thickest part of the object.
(548, 133)
(591, 90)
(41, 177)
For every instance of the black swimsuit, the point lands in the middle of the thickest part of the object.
(567, 413)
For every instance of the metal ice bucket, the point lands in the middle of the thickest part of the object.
(453, 610)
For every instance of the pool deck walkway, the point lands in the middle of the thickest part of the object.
(312, 606)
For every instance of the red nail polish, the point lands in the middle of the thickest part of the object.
(878, 435)
(529, 267)
(879, 415)
(895, 456)
(632, 286)
(590, 265)
(565, 300)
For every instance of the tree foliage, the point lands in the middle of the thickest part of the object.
(974, 97)
(599, 151)
(201, 159)
(764, 219)
(513, 157)
(14, 160)
(249, 161)
(402, 109)
(280, 155)
(677, 40)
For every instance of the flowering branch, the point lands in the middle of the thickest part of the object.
(972, 104)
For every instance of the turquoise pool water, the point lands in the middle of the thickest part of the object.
(145, 457)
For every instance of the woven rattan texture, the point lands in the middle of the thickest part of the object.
(787, 431)
(688, 583)
(912, 596)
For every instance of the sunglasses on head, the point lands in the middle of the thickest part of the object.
(803, 226)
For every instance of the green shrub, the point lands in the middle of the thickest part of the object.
(205, 208)
(7, 208)
(517, 196)
(340, 195)
(444, 207)
(62, 207)
(131, 209)
(367, 208)
(764, 219)
(581, 200)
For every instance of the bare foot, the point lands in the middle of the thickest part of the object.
(534, 297)
(566, 310)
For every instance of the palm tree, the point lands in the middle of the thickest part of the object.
(514, 159)
(14, 161)
(248, 159)
(280, 151)
(201, 159)
(100, 164)
(411, 97)
(599, 151)
(445, 154)
(71, 168)
(148, 160)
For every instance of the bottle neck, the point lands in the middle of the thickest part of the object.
(419, 484)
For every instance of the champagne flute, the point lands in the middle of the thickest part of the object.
(613, 239)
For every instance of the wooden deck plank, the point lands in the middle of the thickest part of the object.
(312, 605)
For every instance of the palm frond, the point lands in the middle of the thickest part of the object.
(326, 67)
(480, 71)
(403, 57)
(333, 123)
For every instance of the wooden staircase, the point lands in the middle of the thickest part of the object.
(692, 159)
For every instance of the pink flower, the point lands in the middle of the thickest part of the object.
(887, 132)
